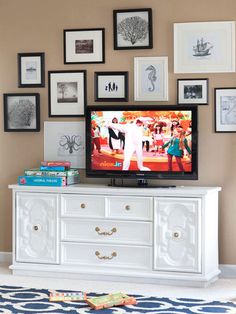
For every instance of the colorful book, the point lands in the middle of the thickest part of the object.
(110, 300)
(53, 168)
(42, 181)
(56, 163)
(72, 180)
(51, 173)
(67, 296)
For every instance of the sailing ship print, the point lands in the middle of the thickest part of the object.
(202, 48)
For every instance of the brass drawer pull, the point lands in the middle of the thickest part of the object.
(106, 233)
(127, 207)
(82, 205)
(113, 254)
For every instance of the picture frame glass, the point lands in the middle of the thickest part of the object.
(31, 70)
(225, 110)
(67, 93)
(111, 86)
(151, 78)
(193, 91)
(84, 46)
(204, 47)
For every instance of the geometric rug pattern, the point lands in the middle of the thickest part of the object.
(22, 300)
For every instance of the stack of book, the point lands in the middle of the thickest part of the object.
(50, 173)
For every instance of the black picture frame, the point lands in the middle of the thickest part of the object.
(73, 99)
(115, 90)
(128, 40)
(78, 49)
(193, 91)
(21, 112)
(225, 109)
(31, 69)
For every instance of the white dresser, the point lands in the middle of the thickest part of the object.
(155, 235)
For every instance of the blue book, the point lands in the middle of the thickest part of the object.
(42, 181)
(53, 168)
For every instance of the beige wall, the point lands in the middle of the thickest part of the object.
(37, 26)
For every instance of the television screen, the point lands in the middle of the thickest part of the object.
(158, 142)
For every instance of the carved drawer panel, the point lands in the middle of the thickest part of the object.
(73, 229)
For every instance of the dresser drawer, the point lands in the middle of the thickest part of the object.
(137, 208)
(83, 230)
(106, 255)
(82, 205)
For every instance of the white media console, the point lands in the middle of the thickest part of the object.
(155, 235)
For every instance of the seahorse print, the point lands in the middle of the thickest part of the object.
(152, 77)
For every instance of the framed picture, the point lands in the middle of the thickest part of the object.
(192, 91)
(84, 45)
(65, 141)
(31, 69)
(132, 29)
(67, 93)
(225, 109)
(21, 112)
(111, 86)
(204, 47)
(151, 78)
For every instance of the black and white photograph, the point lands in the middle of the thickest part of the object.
(150, 78)
(65, 141)
(133, 29)
(225, 110)
(21, 112)
(192, 91)
(84, 45)
(31, 69)
(111, 86)
(67, 93)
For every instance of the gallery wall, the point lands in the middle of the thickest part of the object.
(37, 26)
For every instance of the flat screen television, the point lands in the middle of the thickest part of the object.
(142, 142)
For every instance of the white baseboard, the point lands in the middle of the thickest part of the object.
(228, 271)
(5, 257)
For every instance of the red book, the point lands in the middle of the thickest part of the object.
(53, 163)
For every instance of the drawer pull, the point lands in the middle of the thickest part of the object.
(127, 207)
(82, 205)
(106, 233)
(176, 235)
(36, 227)
(113, 254)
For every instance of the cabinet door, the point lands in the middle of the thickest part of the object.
(177, 236)
(36, 228)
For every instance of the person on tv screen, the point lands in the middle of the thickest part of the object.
(176, 147)
(114, 138)
(133, 142)
(96, 137)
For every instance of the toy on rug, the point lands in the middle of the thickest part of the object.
(67, 296)
(110, 300)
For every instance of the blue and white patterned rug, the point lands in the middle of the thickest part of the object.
(21, 300)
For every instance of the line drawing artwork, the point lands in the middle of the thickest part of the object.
(133, 29)
(228, 110)
(152, 77)
(70, 145)
(202, 48)
(21, 113)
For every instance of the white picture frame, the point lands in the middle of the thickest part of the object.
(225, 110)
(65, 141)
(151, 78)
(204, 47)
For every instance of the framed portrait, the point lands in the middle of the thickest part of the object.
(67, 93)
(132, 29)
(225, 109)
(192, 91)
(21, 112)
(204, 47)
(65, 141)
(111, 86)
(84, 45)
(151, 78)
(31, 69)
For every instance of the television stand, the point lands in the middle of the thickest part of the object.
(140, 183)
